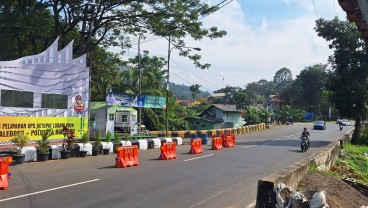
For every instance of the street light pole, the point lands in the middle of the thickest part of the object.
(167, 88)
(168, 82)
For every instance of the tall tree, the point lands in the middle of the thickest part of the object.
(259, 91)
(195, 90)
(25, 25)
(347, 81)
(106, 23)
(282, 78)
(106, 68)
(241, 100)
(312, 83)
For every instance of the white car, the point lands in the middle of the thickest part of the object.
(345, 122)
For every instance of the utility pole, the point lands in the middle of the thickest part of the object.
(140, 86)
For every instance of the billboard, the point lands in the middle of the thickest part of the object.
(34, 126)
(131, 100)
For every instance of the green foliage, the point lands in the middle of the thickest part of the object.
(195, 90)
(85, 137)
(127, 137)
(108, 136)
(282, 79)
(20, 140)
(44, 142)
(348, 79)
(355, 159)
(97, 143)
(241, 100)
(252, 115)
(264, 114)
(182, 92)
(352, 164)
(117, 139)
(363, 140)
(288, 111)
(25, 28)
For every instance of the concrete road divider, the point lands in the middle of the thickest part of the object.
(168, 151)
(4, 172)
(31, 154)
(217, 143)
(177, 140)
(196, 146)
(126, 156)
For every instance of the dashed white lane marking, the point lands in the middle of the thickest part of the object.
(48, 190)
(249, 146)
(198, 157)
(293, 135)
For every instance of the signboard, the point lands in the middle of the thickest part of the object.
(131, 100)
(34, 126)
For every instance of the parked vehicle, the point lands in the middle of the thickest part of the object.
(338, 121)
(321, 125)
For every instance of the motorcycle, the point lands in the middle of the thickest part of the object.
(304, 144)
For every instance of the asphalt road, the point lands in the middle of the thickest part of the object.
(222, 178)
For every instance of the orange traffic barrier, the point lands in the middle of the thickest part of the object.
(4, 172)
(217, 143)
(228, 141)
(126, 156)
(168, 151)
(196, 146)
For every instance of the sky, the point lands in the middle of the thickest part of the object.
(262, 37)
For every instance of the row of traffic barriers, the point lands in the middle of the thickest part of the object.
(4, 172)
(211, 132)
(127, 156)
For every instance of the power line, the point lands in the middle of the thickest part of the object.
(315, 9)
(217, 8)
(334, 7)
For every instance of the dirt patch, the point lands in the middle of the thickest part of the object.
(339, 194)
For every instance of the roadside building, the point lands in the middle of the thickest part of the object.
(44, 91)
(217, 116)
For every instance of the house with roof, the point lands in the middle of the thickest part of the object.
(217, 116)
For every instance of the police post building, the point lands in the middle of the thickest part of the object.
(44, 91)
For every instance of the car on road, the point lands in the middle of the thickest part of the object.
(338, 121)
(345, 122)
(321, 125)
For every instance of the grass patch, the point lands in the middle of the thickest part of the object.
(352, 164)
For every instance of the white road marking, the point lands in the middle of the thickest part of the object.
(223, 191)
(251, 205)
(249, 146)
(293, 135)
(198, 157)
(48, 190)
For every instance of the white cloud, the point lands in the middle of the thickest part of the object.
(251, 52)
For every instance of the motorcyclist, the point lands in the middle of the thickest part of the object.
(306, 134)
(341, 126)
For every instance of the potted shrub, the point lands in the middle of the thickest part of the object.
(96, 144)
(19, 140)
(43, 144)
(108, 137)
(68, 143)
(85, 139)
(117, 141)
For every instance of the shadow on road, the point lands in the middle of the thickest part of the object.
(107, 167)
(285, 143)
